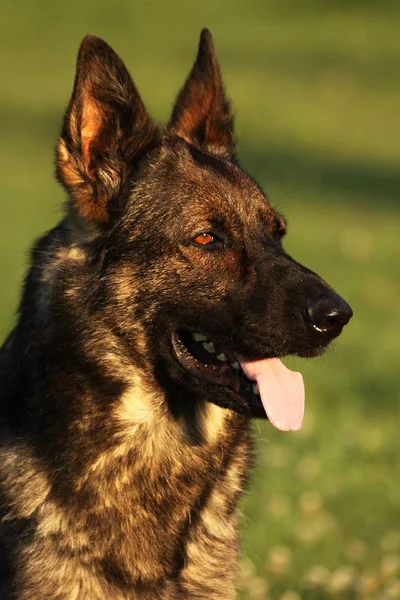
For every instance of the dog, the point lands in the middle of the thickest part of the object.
(150, 332)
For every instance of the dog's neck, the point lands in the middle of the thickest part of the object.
(134, 478)
(137, 486)
(114, 453)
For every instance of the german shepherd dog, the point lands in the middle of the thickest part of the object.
(149, 333)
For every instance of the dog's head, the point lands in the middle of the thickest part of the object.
(188, 249)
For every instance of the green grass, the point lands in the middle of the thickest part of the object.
(316, 90)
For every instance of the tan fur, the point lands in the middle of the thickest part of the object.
(161, 451)
(91, 123)
(213, 420)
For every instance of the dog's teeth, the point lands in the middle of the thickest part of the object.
(199, 337)
(255, 389)
(222, 357)
(209, 346)
(235, 365)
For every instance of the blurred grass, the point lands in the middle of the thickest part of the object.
(316, 89)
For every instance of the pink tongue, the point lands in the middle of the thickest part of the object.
(281, 391)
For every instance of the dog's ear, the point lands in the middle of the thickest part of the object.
(106, 127)
(202, 113)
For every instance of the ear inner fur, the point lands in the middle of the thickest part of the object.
(105, 127)
(91, 125)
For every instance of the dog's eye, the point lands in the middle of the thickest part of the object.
(207, 240)
(204, 239)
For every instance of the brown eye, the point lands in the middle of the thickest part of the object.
(208, 241)
(204, 239)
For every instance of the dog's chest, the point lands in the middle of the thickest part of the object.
(179, 535)
(186, 533)
(211, 566)
(138, 529)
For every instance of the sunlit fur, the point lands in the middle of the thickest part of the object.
(120, 473)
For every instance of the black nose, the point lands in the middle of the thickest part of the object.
(329, 314)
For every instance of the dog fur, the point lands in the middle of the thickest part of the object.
(121, 472)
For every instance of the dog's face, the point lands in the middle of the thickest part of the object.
(219, 300)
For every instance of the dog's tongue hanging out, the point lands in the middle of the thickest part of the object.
(281, 391)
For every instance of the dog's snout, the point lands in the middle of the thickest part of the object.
(329, 314)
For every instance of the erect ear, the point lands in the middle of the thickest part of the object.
(105, 128)
(202, 113)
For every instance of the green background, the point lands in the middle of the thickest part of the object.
(316, 90)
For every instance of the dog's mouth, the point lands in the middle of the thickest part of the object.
(266, 385)
(202, 357)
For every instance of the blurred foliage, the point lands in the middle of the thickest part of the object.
(316, 89)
